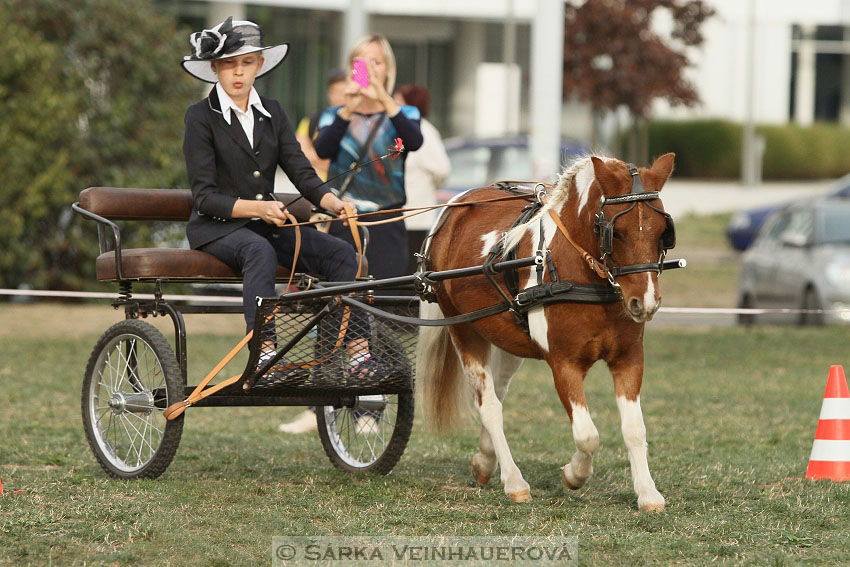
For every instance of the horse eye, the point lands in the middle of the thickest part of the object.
(617, 235)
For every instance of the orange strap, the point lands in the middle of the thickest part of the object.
(600, 269)
(413, 211)
(199, 393)
(351, 214)
(174, 410)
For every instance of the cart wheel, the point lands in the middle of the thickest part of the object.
(131, 377)
(370, 435)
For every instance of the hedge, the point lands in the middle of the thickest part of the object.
(711, 149)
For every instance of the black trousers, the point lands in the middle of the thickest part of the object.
(256, 249)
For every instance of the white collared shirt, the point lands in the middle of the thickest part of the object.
(246, 119)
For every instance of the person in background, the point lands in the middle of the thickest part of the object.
(362, 129)
(309, 125)
(425, 171)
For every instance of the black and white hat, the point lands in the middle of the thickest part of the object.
(229, 39)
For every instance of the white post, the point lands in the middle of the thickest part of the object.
(547, 69)
(355, 25)
(217, 12)
(748, 161)
(804, 103)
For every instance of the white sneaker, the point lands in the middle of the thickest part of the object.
(304, 423)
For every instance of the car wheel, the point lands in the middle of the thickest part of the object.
(811, 302)
(746, 319)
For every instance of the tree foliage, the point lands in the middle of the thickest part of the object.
(92, 96)
(613, 58)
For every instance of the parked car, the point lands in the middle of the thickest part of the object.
(478, 162)
(744, 225)
(800, 259)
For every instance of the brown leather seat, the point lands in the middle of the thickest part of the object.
(161, 204)
(149, 264)
(169, 264)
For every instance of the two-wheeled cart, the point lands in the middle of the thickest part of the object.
(135, 375)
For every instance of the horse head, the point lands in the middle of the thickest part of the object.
(633, 230)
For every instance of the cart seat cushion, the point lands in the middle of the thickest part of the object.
(168, 263)
(173, 264)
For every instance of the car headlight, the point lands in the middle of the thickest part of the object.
(838, 274)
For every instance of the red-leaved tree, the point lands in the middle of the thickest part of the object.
(613, 58)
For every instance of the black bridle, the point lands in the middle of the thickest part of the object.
(604, 229)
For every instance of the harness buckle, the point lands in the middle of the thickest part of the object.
(541, 193)
(425, 287)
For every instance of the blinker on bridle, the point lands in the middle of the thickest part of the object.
(604, 229)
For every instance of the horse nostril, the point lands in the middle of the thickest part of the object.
(636, 307)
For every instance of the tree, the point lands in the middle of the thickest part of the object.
(92, 95)
(613, 58)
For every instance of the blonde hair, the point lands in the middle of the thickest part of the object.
(381, 40)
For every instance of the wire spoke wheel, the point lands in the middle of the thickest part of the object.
(131, 378)
(369, 436)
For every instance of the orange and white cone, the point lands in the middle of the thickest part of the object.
(830, 457)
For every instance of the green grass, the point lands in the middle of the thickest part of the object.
(702, 231)
(730, 414)
(711, 278)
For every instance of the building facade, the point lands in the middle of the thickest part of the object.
(766, 61)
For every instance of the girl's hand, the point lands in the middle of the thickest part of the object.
(334, 204)
(273, 212)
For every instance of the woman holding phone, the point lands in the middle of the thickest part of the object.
(362, 129)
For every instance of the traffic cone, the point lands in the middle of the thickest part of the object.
(830, 458)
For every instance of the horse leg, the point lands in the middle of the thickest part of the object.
(474, 354)
(569, 382)
(627, 382)
(503, 366)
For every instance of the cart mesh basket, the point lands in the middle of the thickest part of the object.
(314, 339)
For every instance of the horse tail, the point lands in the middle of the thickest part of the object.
(440, 384)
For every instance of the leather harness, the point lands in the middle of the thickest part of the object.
(519, 303)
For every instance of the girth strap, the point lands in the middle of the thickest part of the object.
(565, 291)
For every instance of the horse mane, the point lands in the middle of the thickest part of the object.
(557, 198)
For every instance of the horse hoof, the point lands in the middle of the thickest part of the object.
(572, 484)
(652, 502)
(521, 496)
(480, 476)
(652, 507)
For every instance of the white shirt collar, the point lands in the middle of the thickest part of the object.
(227, 105)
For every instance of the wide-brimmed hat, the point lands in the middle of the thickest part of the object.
(229, 39)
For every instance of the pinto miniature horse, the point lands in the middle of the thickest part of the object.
(570, 337)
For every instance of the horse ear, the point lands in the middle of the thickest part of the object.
(603, 175)
(662, 168)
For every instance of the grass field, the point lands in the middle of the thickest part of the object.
(730, 414)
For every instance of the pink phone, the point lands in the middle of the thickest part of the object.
(359, 72)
